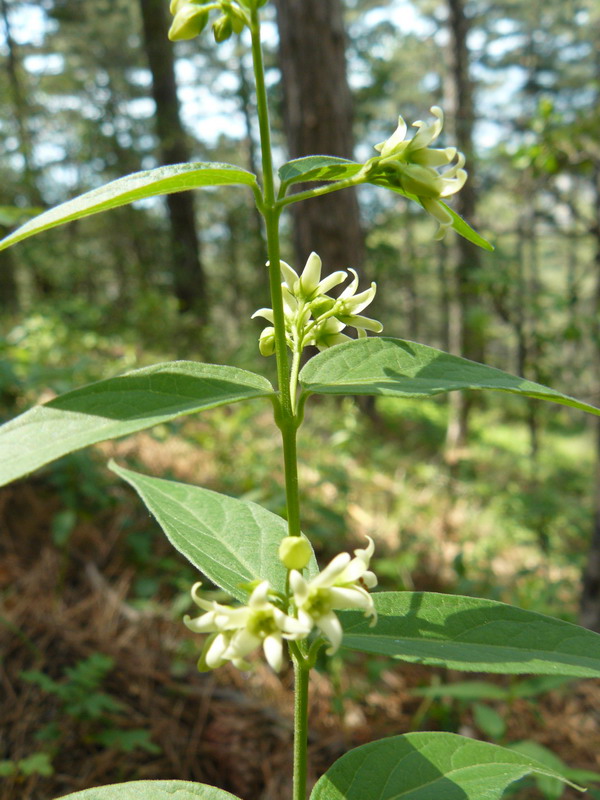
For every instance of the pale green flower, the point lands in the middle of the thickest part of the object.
(342, 584)
(312, 317)
(418, 169)
(236, 632)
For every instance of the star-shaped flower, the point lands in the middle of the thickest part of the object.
(344, 583)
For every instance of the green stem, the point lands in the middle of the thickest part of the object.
(321, 190)
(287, 382)
(301, 675)
(271, 211)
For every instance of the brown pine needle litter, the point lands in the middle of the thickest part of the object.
(233, 730)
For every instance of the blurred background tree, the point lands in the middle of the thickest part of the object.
(486, 496)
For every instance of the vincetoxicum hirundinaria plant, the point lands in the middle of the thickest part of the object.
(283, 605)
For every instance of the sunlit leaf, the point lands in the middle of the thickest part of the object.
(233, 542)
(472, 634)
(140, 185)
(426, 766)
(399, 368)
(318, 168)
(152, 790)
(118, 406)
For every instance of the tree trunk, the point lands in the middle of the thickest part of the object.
(590, 595)
(188, 273)
(20, 106)
(318, 120)
(31, 192)
(9, 295)
(467, 338)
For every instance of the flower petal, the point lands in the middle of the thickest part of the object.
(427, 133)
(298, 586)
(364, 323)
(331, 627)
(328, 576)
(273, 649)
(329, 281)
(350, 290)
(311, 275)
(290, 275)
(265, 313)
(390, 146)
(351, 597)
(213, 655)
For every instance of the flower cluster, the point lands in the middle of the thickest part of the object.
(269, 618)
(312, 317)
(191, 17)
(236, 632)
(418, 169)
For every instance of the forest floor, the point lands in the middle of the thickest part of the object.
(148, 713)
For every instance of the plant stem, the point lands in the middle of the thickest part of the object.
(271, 211)
(301, 675)
(321, 190)
(285, 416)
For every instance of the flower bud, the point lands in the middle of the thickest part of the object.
(266, 342)
(188, 23)
(238, 20)
(222, 29)
(321, 305)
(421, 181)
(177, 5)
(295, 552)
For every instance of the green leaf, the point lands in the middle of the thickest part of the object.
(152, 790)
(318, 168)
(550, 787)
(466, 231)
(126, 740)
(472, 634)
(36, 764)
(119, 406)
(531, 687)
(399, 368)
(140, 185)
(330, 168)
(465, 690)
(489, 721)
(458, 223)
(426, 766)
(233, 542)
